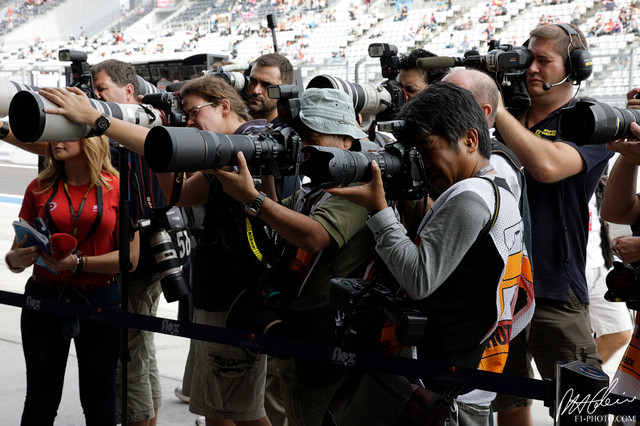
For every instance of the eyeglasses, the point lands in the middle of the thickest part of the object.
(195, 110)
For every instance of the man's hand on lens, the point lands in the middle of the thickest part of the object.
(72, 102)
(629, 149)
(627, 248)
(370, 195)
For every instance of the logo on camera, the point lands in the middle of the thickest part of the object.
(170, 327)
(343, 357)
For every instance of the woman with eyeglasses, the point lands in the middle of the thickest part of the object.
(77, 194)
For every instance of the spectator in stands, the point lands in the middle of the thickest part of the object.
(560, 329)
(451, 43)
(403, 14)
(414, 79)
(464, 45)
(267, 70)
(228, 383)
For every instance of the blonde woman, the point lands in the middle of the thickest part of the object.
(77, 193)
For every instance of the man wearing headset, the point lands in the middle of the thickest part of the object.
(561, 178)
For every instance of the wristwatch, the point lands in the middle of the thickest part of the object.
(253, 208)
(102, 124)
(4, 131)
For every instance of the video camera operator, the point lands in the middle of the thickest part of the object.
(465, 242)
(325, 236)
(561, 178)
(224, 264)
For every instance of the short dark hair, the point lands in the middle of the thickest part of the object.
(280, 61)
(410, 62)
(446, 110)
(120, 72)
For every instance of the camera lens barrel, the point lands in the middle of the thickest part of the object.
(330, 167)
(8, 90)
(186, 149)
(29, 123)
(368, 99)
(172, 281)
(591, 123)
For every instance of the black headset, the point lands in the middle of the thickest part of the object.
(579, 60)
(579, 63)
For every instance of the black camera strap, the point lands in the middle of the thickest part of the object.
(94, 227)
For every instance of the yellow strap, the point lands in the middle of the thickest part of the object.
(252, 241)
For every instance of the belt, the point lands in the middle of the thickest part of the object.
(81, 288)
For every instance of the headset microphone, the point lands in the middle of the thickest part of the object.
(547, 86)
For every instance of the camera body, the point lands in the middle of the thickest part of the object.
(367, 305)
(167, 232)
(509, 65)
(623, 282)
(169, 104)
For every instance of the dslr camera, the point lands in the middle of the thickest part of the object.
(373, 102)
(403, 172)
(623, 283)
(365, 306)
(170, 245)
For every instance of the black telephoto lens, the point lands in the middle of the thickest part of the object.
(592, 123)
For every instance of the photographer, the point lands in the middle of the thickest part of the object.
(621, 204)
(561, 178)
(224, 265)
(267, 70)
(325, 236)
(455, 271)
(414, 79)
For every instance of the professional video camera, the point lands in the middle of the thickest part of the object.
(188, 149)
(374, 102)
(624, 285)
(367, 305)
(166, 231)
(507, 63)
(401, 166)
(591, 122)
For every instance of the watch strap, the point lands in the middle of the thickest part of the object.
(254, 207)
(100, 125)
(4, 130)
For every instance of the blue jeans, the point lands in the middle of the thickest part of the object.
(46, 349)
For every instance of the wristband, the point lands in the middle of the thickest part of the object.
(4, 130)
(11, 267)
(254, 207)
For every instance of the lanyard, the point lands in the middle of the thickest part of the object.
(51, 224)
(75, 216)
